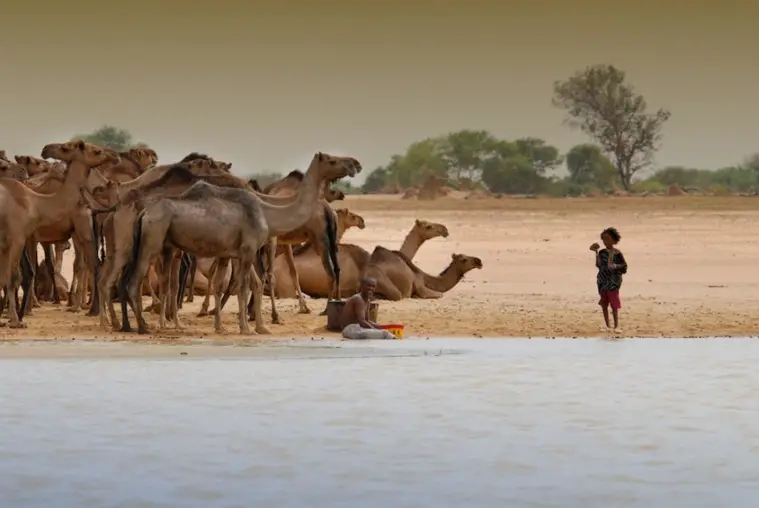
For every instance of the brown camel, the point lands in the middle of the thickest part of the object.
(76, 225)
(353, 261)
(224, 223)
(398, 277)
(125, 201)
(24, 211)
(47, 181)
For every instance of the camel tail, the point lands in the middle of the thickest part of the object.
(332, 247)
(134, 256)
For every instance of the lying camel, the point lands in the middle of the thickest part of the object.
(353, 261)
(398, 277)
(224, 223)
(23, 211)
(43, 282)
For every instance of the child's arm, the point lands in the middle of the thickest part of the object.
(620, 263)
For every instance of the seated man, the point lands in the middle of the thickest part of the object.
(355, 318)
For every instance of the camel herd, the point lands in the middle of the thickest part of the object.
(166, 231)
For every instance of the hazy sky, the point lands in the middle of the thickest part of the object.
(266, 84)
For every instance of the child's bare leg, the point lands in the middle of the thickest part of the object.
(605, 310)
(615, 315)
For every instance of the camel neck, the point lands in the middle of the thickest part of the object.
(411, 244)
(285, 218)
(53, 207)
(445, 281)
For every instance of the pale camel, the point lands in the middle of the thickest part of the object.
(23, 211)
(224, 223)
(320, 231)
(398, 277)
(122, 203)
(353, 261)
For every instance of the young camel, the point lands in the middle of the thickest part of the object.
(23, 211)
(123, 202)
(353, 261)
(398, 277)
(224, 223)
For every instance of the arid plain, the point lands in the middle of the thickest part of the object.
(692, 271)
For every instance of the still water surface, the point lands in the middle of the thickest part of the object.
(517, 423)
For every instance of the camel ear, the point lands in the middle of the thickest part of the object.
(79, 145)
(19, 158)
(418, 222)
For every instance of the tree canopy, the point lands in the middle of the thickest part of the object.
(111, 137)
(603, 105)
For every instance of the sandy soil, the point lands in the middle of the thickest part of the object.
(692, 271)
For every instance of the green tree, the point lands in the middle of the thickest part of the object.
(111, 137)
(544, 157)
(587, 165)
(375, 181)
(600, 103)
(466, 151)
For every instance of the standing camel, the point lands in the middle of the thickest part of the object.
(22, 210)
(224, 223)
(123, 202)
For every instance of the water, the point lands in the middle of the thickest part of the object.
(520, 423)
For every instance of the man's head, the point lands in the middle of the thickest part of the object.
(368, 285)
(610, 237)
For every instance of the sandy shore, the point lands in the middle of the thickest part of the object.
(692, 272)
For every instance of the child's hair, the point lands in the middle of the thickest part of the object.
(613, 234)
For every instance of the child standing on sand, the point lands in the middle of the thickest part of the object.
(611, 266)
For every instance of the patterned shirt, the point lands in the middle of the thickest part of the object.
(609, 279)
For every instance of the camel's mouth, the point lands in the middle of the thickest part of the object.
(478, 263)
(444, 233)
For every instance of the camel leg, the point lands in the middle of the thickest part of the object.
(221, 274)
(211, 284)
(271, 253)
(31, 249)
(80, 270)
(12, 278)
(27, 280)
(303, 308)
(387, 289)
(177, 290)
(214, 285)
(332, 271)
(93, 261)
(422, 291)
(190, 290)
(184, 271)
(50, 267)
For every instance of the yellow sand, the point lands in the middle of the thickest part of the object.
(693, 271)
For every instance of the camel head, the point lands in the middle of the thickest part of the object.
(88, 154)
(145, 157)
(462, 263)
(430, 230)
(349, 219)
(13, 170)
(333, 167)
(34, 165)
(3, 156)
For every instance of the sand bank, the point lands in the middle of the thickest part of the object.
(692, 272)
